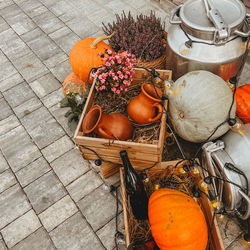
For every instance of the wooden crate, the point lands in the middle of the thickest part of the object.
(216, 240)
(141, 154)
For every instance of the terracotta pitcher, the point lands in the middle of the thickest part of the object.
(113, 126)
(146, 108)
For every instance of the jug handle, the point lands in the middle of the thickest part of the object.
(160, 110)
(174, 12)
(104, 133)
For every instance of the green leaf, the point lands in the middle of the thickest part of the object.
(68, 113)
(64, 102)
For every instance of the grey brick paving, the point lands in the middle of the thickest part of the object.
(44, 192)
(18, 94)
(32, 171)
(18, 148)
(75, 234)
(57, 213)
(39, 240)
(13, 203)
(5, 109)
(69, 167)
(102, 202)
(45, 85)
(20, 228)
(84, 185)
(7, 179)
(50, 197)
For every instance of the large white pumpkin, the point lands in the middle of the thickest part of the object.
(200, 102)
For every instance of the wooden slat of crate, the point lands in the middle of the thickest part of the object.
(216, 240)
(110, 149)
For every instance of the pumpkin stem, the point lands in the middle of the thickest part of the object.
(99, 39)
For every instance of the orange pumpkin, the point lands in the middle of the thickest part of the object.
(242, 97)
(83, 56)
(177, 222)
(73, 84)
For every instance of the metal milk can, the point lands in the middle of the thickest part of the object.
(208, 35)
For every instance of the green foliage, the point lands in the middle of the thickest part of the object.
(76, 104)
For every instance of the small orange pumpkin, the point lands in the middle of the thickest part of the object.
(83, 56)
(177, 222)
(73, 84)
(242, 97)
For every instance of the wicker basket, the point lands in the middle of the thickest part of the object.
(159, 63)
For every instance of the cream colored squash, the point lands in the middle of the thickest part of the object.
(199, 102)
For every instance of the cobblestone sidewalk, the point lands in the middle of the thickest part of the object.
(50, 198)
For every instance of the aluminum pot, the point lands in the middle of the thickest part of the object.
(207, 35)
(221, 158)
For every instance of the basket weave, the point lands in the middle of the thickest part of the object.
(159, 63)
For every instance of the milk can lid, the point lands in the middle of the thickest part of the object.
(212, 16)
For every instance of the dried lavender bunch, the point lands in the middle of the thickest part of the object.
(141, 36)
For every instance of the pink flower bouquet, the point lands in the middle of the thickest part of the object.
(116, 73)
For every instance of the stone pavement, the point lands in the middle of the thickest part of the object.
(50, 197)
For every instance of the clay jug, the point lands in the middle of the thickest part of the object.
(113, 126)
(143, 108)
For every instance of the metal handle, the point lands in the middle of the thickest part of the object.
(241, 33)
(173, 13)
(247, 213)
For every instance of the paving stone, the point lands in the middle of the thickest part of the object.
(45, 85)
(20, 228)
(53, 98)
(61, 70)
(10, 10)
(27, 107)
(43, 46)
(55, 59)
(48, 22)
(12, 45)
(5, 109)
(18, 94)
(5, 3)
(2, 245)
(106, 233)
(10, 82)
(7, 179)
(32, 35)
(21, 23)
(61, 7)
(44, 192)
(36, 11)
(230, 229)
(6, 69)
(112, 180)
(98, 207)
(8, 124)
(42, 127)
(65, 38)
(59, 114)
(48, 3)
(33, 171)
(83, 27)
(39, 240)
(3, 25)
(244, 77)
(30, 67)
(18, 148)
(58, 148)
(70, 166)
(75, 234)
(3, 163)
(84, 185)
(117, 7)
(13, 203)
(57, 213)
(29, 5)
